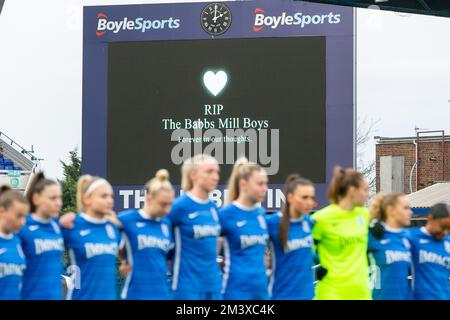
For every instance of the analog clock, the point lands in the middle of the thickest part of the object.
(216, 18)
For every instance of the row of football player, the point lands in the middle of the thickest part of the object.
(183, 235)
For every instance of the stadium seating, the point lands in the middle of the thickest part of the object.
(8, 164)
(16, 164)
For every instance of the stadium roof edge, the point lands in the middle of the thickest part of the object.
(429, 196)
(389, 140)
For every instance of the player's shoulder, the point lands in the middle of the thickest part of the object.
(261, 211)
(180, 207)
(29, 220)
(127, 215)
(414, 232)
(373, 240)
(362, 211)
(227, 208)
(79, 219)
(405, 233)
(76, 223)
(181, 202)
(166, 220)
(415, 235)
(16, 239)
(273, 222)
(7, 240)
(11, 241)
(273, 218)
(402, 235)
(226, 211)
(25, 230)
(447, 244)
(325, 213)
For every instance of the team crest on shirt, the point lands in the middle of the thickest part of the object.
(110, 231)
(262, 222)
(20, 251)
(447, 246)
(55, 227)
(305, 227)
(406, 243)
(214, 214)
(361, 221)
(165, 230)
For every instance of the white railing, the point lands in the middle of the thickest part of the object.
(18, 154)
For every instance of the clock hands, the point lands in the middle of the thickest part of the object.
(215, 18)
(215, 13)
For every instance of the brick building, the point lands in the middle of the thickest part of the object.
(409, 164)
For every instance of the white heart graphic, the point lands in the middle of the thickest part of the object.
(215, 82)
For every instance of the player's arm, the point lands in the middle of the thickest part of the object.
(112, 217)
(268, 260)
(125, 267)
(273, 224)
(220, 259)
(317, 235)
(67, 220)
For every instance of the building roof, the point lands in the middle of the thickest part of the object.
(425, 198)
(396, 140)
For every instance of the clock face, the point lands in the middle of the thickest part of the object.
(216, 18)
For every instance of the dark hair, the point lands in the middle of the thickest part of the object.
(292, 182)
(8, 196)
(440, 211)
(342, 180)
(37, 185)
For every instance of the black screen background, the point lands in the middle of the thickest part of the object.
(279, 79)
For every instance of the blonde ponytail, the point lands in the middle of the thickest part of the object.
(83, 184)
(376, 212)
(242, 170)
(159, 182)
(380, 204)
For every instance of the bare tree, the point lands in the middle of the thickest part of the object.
(365, 131)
